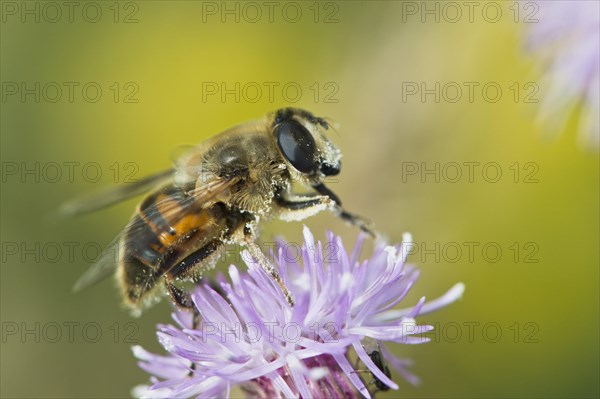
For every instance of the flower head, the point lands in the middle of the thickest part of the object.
(565, 35)
(250, 336)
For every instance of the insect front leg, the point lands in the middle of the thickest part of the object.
(343, 214)
(296, 207)
(355, 220)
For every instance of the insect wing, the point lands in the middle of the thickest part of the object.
(113, 195)
(101, 269)
(171, 208)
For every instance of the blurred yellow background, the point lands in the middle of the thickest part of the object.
(528, 323)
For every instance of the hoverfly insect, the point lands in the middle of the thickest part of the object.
(216, 195)
(373, 350)
(377, 358)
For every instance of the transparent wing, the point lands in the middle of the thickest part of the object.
(113, 195)
(101, 269)
(171, 208)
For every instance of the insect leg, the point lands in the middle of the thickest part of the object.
(344, 214)
(182, 298)
(265, 264)
(355, 220)
(300, 207)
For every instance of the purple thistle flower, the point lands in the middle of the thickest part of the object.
(565, 35)
(250, 336)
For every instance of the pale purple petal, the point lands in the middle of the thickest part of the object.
(250, 334)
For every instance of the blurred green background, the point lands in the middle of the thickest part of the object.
(533, 308)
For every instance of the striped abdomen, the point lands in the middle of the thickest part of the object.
(166, 230)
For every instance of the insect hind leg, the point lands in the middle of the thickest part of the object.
(181, 298)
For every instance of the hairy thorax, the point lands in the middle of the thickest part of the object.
(252, 160)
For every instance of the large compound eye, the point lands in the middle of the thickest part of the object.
(297, 145)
